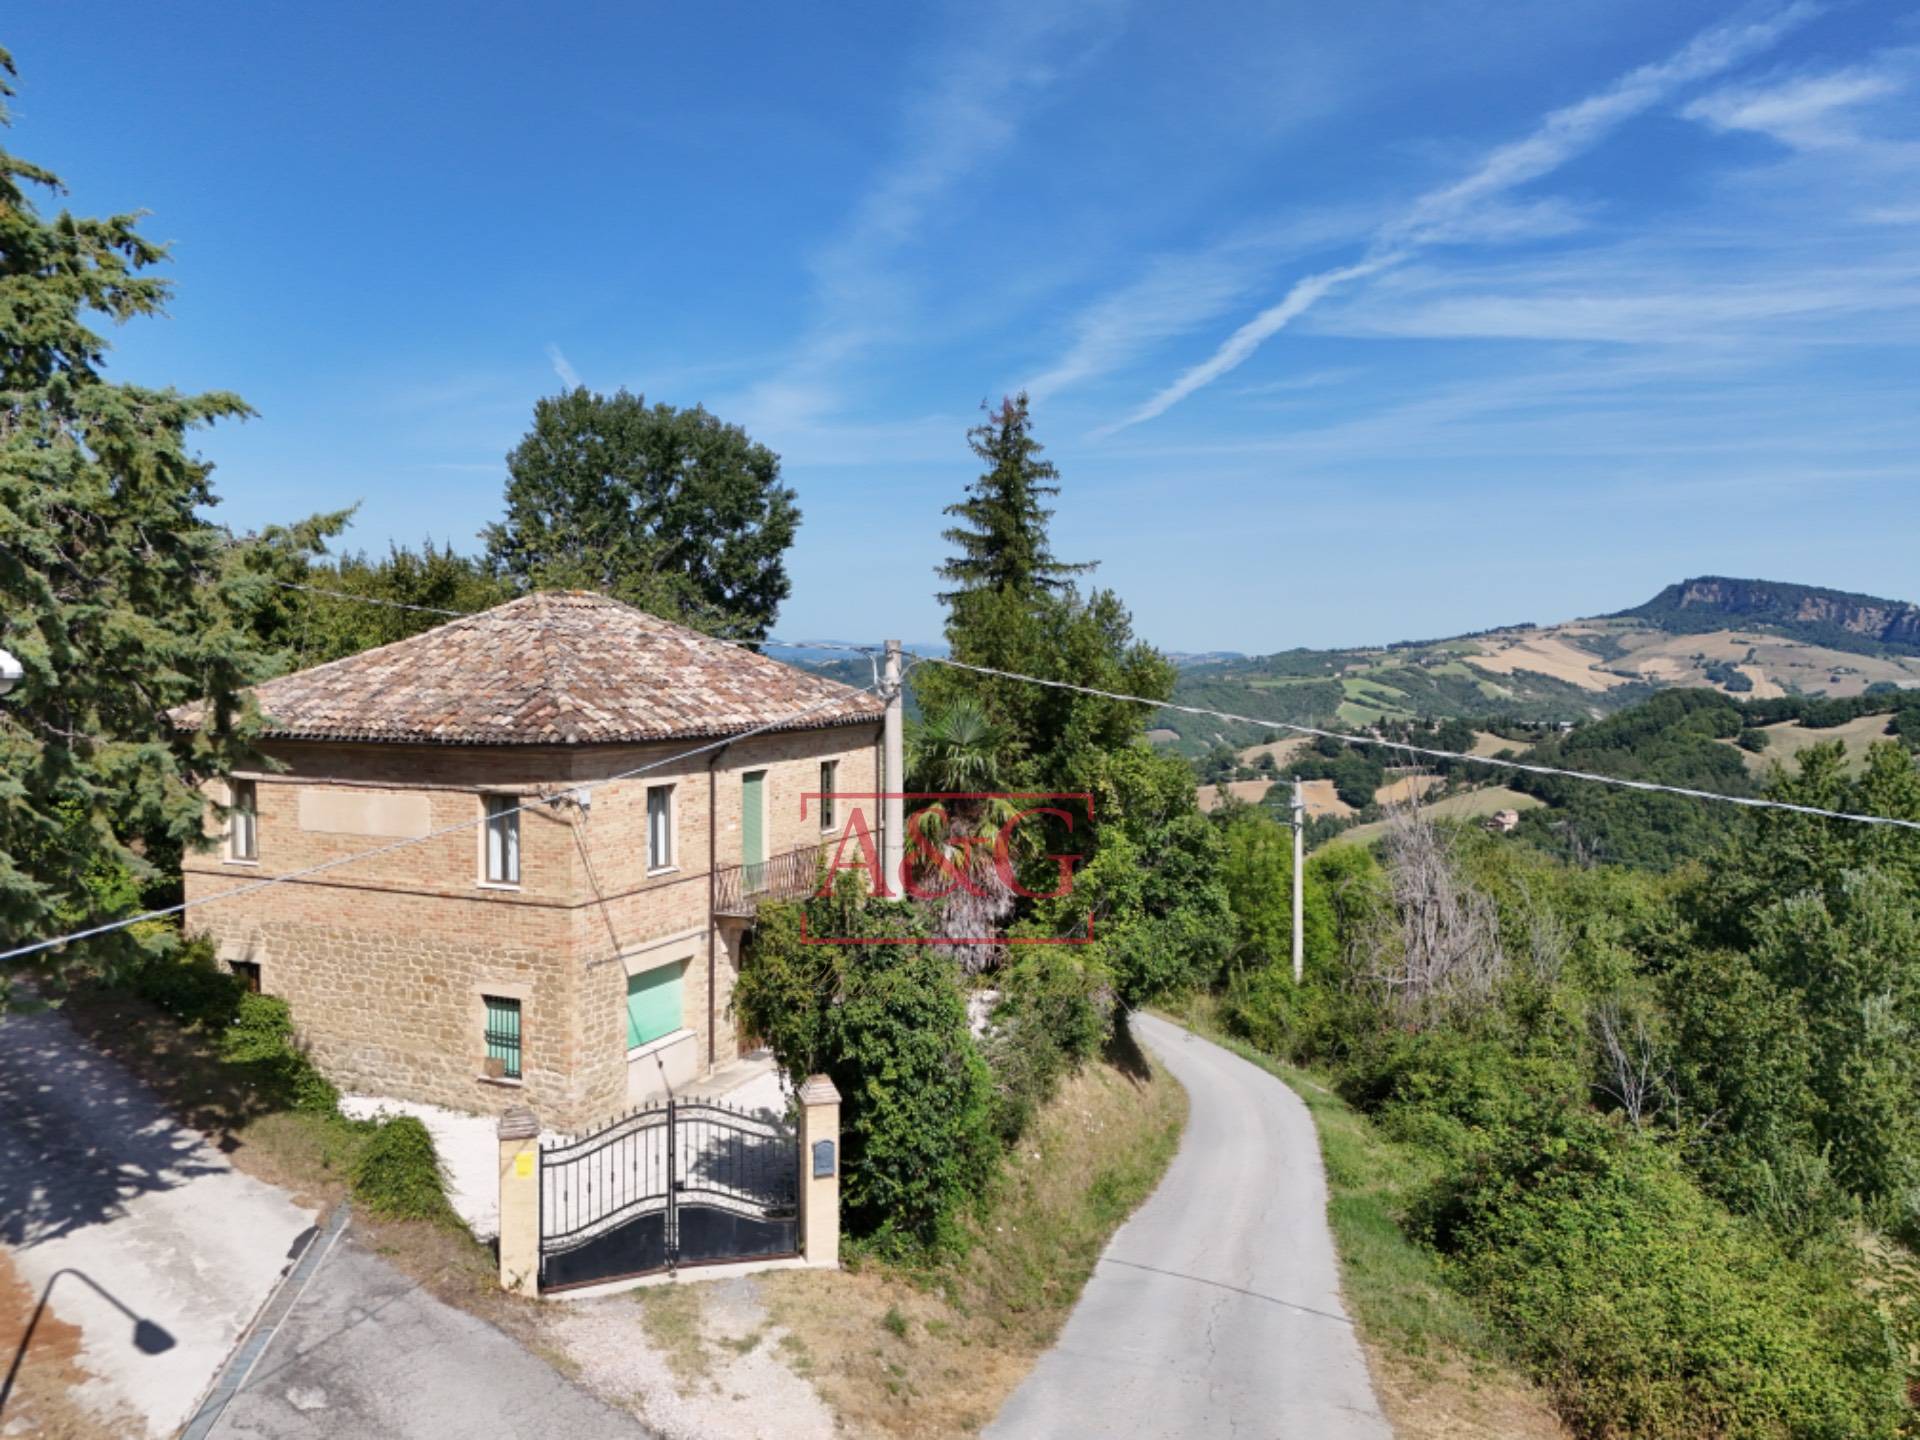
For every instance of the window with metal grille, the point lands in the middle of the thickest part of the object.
(503, 1034)
(243, 824)
(660, 827)
(828, 770)
(503, 839)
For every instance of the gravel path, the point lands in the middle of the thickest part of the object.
(747, 1392)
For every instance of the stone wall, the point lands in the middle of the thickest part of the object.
(384, 960)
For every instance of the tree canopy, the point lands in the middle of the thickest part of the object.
(1002, 538)
(674, 511)
(114, 594)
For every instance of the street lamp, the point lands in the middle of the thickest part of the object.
(10, 672)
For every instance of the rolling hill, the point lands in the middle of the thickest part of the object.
(1756, 639)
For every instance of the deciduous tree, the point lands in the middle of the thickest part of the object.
(675, 511)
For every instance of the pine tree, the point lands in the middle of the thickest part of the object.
(114, 594)
(1003, 535)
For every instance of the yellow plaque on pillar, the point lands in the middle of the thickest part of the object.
(523, 1164)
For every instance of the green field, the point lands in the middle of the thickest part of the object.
(1790, 737)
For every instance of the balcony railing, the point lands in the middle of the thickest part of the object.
(742, 889)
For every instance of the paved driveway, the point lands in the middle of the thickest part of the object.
(1216, 1309)
(129, 1224)
(366, 1353)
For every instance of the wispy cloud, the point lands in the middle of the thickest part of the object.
(1465, 208)
(989, 78)
(1808, 112)
(1705, 296)
(569, 377)
(1174, 295)
(1312, 380)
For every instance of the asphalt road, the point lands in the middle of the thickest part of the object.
(128, 1224)
(366, 1353)
(1215, 1310)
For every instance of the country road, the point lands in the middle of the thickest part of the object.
(1216, 1309)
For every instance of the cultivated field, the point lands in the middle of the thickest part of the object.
(1251, 791)
(1548, 653)
(1406, 788)
(1472, 805)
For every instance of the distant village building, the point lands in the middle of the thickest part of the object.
(567, 933)
(1503, 822)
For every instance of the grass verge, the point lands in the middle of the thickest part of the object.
(1440, 1370)
(927, 1352)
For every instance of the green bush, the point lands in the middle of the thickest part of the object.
(190, 986)
(1302, 1024)
(1480, 1090)
(397, 1173)
(1055, 1012)
(888, 1024)
(261, 1039)
(1647, 1309)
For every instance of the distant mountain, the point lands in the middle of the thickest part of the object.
(1182, 660)
(1865, 624)
(814, 654)
(1754, 639)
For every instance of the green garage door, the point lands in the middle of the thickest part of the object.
(653, 1003)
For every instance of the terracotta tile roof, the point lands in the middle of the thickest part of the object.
(557, 668)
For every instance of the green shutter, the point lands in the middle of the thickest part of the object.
(753, 828)
(653, 1004)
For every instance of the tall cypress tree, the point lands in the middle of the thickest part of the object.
(114, 595)
(1002, 537)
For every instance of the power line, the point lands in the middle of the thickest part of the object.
(1750, 802)
(370, 599)
(249, 888)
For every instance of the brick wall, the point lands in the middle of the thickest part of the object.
(384, 960)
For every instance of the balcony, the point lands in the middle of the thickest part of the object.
(740, 890)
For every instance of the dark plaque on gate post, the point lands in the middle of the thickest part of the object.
(822, 1159)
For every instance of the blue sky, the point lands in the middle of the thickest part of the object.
(1343, 323)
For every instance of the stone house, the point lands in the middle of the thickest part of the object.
(565, 934)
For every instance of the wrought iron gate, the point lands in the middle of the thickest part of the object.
(687, 1182)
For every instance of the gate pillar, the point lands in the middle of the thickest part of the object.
(520, 1202)
(819, 1159)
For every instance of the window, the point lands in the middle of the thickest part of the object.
(828, 768)
(660, 827)
(243, 823)
(247, 972)
(653, 1004)
(503, 1034)
(503, 839)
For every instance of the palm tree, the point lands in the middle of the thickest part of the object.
(956, 752)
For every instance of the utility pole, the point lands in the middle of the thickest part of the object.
(893, 811)
(1299, 865)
